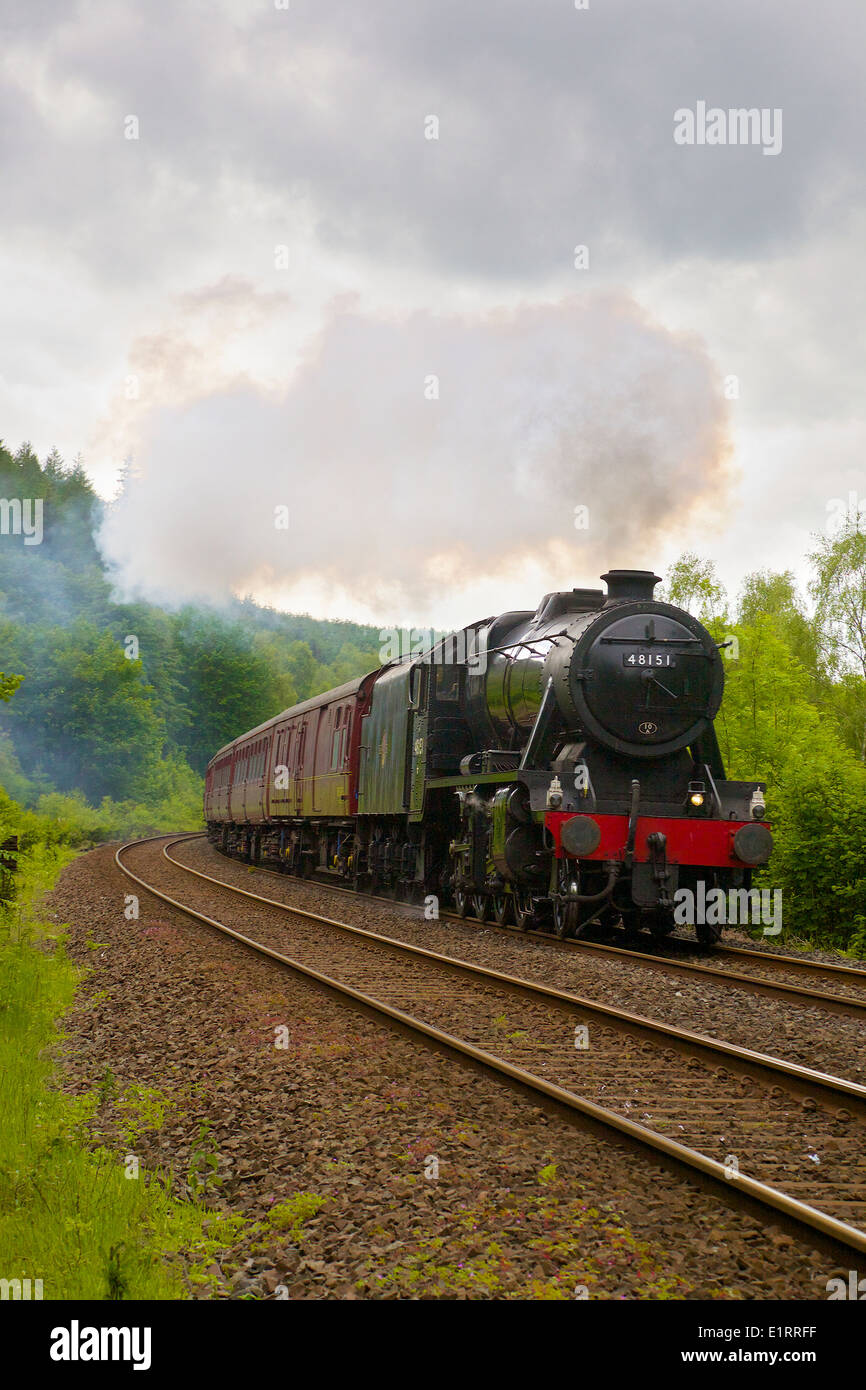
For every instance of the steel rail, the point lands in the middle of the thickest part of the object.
(741, 1186)
(760, 1062)
(833, 1003)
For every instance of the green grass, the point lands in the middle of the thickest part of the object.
(69, 1215)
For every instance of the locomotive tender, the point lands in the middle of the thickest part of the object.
(553, 768)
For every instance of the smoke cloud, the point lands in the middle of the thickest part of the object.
(417, 455)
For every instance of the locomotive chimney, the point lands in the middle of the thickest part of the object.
(624, 585)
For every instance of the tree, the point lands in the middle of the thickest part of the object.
(274, 649)
(692, 583)
(768, 593)
(839, 589)
(8, 686)
(228, 684)
(85, 716)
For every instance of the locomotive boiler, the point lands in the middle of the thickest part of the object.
(556, 768)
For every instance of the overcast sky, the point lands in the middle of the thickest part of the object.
(323, 258)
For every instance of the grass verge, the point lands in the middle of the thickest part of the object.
(73, 1214)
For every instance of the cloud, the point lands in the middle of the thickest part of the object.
(397, 496)
(556, 126)
(305, 127)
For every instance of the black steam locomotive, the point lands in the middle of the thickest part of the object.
(556, 768)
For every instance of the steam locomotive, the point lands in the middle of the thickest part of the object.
(556, 768)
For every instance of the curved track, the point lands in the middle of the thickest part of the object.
(845, 994)
(762, 976)
(631, 1067)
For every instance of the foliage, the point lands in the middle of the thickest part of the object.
(121, 705)
(839, 590)
(692, 583)
(785, 722)
(69, 1214)
(8, 686)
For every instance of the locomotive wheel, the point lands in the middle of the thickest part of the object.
(462, 902)
(524, 911)
(503, 908)
(708, 935)
(566, 916)
(481, 906)
(661, 924)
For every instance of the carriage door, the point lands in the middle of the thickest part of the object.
(300, 755)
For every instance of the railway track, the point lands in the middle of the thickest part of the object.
(768, 1133)
(763, 974)
(757, 972)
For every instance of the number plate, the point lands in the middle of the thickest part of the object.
(655, 660)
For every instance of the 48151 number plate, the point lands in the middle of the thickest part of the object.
(647, 659)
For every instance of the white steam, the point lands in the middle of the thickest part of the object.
(398, 499)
